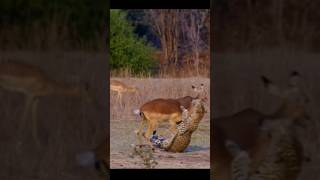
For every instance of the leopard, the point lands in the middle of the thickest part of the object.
(283, 158)
(190, 119)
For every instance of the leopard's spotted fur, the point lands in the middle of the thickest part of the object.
(179, 141)
(282, 161)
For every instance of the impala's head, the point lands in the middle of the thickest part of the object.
(294, 98)
(96, 158)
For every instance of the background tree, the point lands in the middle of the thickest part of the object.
(193, 24)
(164, 23)
(127, 51)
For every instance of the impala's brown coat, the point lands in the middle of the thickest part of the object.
(160, 110)
(186, 101)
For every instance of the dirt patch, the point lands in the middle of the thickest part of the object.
(199, 159)
(196, 156)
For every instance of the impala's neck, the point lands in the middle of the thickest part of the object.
(131, 89)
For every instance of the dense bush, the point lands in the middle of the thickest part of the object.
(127, 51)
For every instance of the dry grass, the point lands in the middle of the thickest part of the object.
(66, 126)
(124, 122)
(152, 88)
(237, 85)
(168, 72)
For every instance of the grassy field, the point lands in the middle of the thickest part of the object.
(124, 122)
(237, 85)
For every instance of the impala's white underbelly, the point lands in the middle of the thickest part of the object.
(161, 117)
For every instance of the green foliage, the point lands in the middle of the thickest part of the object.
(126, 49)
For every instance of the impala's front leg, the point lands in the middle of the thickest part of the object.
(151, 128)
(173, 127)
(139, 131)
(34, 121)
(27, 107)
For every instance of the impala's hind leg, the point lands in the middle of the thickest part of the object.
(152, 126)
(34, 122)
(139, 131)
(27, 109)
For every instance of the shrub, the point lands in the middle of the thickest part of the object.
(127, 51)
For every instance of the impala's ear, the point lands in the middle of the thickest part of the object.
(295, 73)
(294, 79)
(265, 81)
(307, 159)
(271, 87)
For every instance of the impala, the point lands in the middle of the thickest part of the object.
(161, 110)
(35, 83)
(120, 88)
